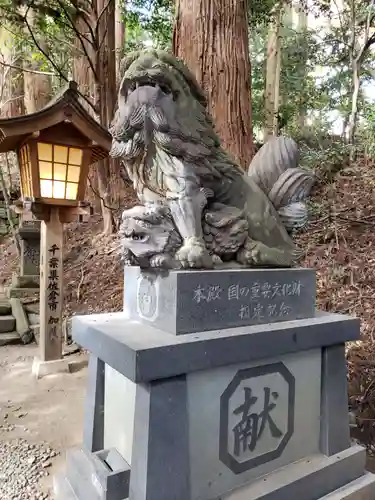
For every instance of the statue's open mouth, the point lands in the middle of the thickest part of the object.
(134, 84)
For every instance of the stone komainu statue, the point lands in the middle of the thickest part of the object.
(199, 209)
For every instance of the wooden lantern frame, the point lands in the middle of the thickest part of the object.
(64, 122)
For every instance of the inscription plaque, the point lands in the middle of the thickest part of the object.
(191, 301)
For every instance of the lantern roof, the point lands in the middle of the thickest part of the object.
(64, 108)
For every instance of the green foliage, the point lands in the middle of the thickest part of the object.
(323, 152)
(149, 22)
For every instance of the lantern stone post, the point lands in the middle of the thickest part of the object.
(55, 147)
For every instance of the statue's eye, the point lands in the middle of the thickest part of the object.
(138, 237)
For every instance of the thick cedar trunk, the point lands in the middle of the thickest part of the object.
(12, 83)
(119, 34)
(272, 89)
(212, 39)
(82, 73)
(83, 76)
(356, 82)
(38, 88)
(108, 177)
(16, 105)
(302, 28)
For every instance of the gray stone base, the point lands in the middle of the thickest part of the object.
(311, 479)
(65, 365)
(360, 489)
(62, 489)
(103, 475)
(43, 368)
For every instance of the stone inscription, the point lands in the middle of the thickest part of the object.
(256, 302)
(147, 298)
(256, 416)
(31, 252)
(53, 294)
(249, 430)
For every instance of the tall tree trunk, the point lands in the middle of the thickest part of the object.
(82, 73)
(212, 39)
(106, 100)
(345, 124)
(84, 77)
(354, 110)
(119, 33)
(272, 90)
(302, 29)
(37, 87)
(12, 92)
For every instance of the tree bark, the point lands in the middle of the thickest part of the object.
(212, 39)
(12, 83)
(37, 88)
(354, 109)
(119, 34)
(106, 101)
(302, 29)
(272, 90)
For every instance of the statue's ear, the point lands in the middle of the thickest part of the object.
(125, 64)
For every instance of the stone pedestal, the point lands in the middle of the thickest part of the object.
(253, 410)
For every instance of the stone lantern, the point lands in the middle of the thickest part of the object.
(55, 147)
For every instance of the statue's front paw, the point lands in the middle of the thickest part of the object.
(163, 261)
(194, 254)
(128, 258)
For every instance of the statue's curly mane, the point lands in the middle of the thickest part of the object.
(159, 90)
(176, 65)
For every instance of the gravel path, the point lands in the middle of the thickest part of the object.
(22, 465)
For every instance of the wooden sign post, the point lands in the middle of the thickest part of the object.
(51, 289)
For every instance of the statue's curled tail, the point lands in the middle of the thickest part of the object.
(275, 170)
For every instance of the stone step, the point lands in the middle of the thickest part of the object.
(5, 307)
(103, 475)
(79, 474)
(9, 338)
(7, 323)
(362, 488)
(62, 489)
(22, 293)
